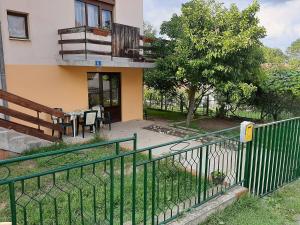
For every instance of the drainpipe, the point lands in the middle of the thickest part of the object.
(2, 70)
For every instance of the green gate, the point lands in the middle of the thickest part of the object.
(273, 157)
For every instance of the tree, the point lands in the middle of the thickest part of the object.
(232, 96)
(274, 56)
(294, 55)
(161, 82)
(149, 30)
(279, 91)
(212, 44)
(161, 79)
(294, 50)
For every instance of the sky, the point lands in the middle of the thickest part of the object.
(281, 18)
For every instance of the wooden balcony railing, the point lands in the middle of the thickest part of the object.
(36, 121)
(122, 41)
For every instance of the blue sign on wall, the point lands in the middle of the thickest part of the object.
(98, 63)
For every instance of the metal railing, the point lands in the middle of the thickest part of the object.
(273, 157)
(150, 185)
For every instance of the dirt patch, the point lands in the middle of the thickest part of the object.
(214, 124)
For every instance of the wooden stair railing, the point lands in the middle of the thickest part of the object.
(35, 120)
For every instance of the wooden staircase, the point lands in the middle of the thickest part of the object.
(35, 126)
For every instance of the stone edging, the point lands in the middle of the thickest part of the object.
(201, 214)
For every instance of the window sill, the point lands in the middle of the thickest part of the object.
(19, 39)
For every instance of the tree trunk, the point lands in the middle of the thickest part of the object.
(181, 104)
(166, 103)
(221, 111)
(150, 103)
(161, 101)
(275, 116)
(207, 105)
(197, 103)
(190, 115)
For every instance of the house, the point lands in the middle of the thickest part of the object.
(75, 54)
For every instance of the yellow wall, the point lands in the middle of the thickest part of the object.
(66, 87)
(132, 94)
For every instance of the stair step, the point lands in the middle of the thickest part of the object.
(4, 139)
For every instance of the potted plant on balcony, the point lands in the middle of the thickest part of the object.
(101, 32)
(218, 177)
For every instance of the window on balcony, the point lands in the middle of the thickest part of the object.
(106, 19)
(80, 14)
(17, 25)
(93, 14)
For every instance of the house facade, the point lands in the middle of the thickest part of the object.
(75, 54)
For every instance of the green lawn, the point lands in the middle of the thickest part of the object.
(165, 115)
(280, 208)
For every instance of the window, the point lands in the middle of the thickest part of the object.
(106, 19)
(93, 15)
(17, 25)
(87, 12)
(79, 14)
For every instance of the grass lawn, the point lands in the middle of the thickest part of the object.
(71, 196)
(280, 208)
(165, 115)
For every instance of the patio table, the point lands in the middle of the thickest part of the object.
(73, 117)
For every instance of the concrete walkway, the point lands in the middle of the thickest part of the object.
(145, 138)
(224, 155)
(119, 130)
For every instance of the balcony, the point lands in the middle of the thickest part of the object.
(122, 46)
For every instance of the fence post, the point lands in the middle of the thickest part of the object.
(248, 164)
(13, 203)
(112, 190)
(206, 173)
(134, 180)
(117, 148)
(153, 209)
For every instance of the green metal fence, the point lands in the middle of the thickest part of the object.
(145, 186)
(103, 184)
(273, 157)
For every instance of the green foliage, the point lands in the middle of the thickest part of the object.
(294, 50)
(233, 95)
(212, 44)
(274, 56)
(279, 91)
(160, 81)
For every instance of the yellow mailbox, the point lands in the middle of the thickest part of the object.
(246, 131)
